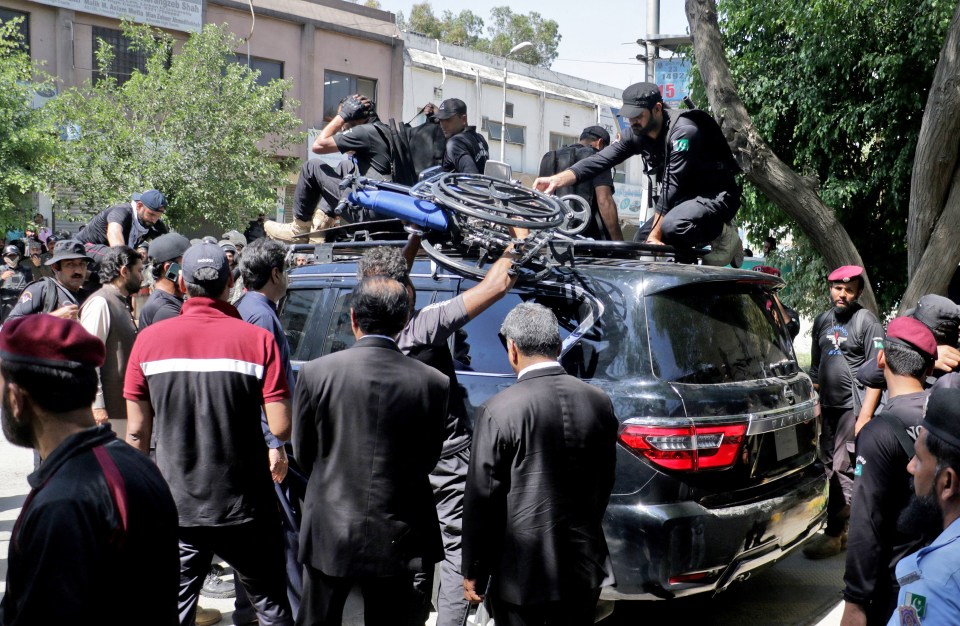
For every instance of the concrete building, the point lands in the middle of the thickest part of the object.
(327, 48)
(545, 109)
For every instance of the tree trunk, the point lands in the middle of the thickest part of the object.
(796, 196)
(932, 248)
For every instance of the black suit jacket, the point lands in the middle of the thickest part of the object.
(368, 426)
(541, 470)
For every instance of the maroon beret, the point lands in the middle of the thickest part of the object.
(913, 333)
(47, 340)
(845, 274)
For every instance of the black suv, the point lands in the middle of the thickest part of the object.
(717, 465)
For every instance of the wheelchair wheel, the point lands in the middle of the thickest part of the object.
(498, 201)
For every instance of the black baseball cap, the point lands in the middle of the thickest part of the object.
(168, 247)
(639, 96)
(450, 107)
(596, 132)
(941, 315)
(152, 199)
(205, 256)
(943, 415)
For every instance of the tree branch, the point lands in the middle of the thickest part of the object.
(795, 195)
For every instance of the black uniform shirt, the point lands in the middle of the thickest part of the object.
(681, 157)
(841, 344)
(466, 152)
(881, 490)
(32, 299)
(63, 548)
(158, 307)
(369, 149)
(95, 231)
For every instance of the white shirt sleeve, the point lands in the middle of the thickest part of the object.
(95, 319)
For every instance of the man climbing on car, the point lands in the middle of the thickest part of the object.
(686, 150)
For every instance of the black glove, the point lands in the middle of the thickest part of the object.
(355, 108)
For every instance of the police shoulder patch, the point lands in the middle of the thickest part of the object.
(27, 296)
(681, 145)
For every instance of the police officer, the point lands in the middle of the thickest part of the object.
(686, 150)
(126, 224)
(166, 299)
(597, 191)
(844, 338)
(882, 486)
(14, 276)
(355, 129)
(929, 585)
(466, 150)
(59, 295)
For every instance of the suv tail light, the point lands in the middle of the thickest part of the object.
(685, 447)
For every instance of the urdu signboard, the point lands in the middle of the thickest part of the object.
(182, 15)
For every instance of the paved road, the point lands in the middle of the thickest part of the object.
(793, 592)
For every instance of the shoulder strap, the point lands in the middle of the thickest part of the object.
(50, 295)
(118, 493)
(899, 429)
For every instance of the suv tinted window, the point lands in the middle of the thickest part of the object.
(716, 334)
(476, 348)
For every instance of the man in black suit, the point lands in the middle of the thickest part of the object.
(541, 472)
(369, 427)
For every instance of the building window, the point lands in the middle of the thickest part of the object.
(515, 134)
(509, 109)
(269, 71)
(558, 141)
(9, 14)
(125, 59)
(338, 86)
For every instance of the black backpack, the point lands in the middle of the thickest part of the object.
(401, 162)
(556, 161)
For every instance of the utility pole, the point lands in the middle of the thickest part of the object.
(653, 30)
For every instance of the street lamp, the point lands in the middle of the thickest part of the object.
(503, 117)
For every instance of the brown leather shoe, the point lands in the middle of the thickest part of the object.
(207, 617)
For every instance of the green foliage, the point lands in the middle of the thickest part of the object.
(507, 29)
(837, 88)
(27, 142)
(195, 125)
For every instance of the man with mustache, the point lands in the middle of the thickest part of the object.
(930, 578)
(844, 338)
(688, 154)
(58, 295)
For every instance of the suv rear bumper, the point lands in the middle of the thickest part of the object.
(650, 544)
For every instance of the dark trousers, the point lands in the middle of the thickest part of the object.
(319, 182)
(449, 480)
(576, 611)
(288, 499)
(255, 552)
(837, 451)
(386, 601)
(693, 223)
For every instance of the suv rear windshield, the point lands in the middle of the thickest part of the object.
(717, 333)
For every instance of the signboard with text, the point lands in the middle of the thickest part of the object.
(673, 78)
(183, 15)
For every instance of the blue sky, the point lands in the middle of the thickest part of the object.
(596, 45)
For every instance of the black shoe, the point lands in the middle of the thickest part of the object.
(214, 586)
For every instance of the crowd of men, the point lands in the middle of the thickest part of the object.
(363, 471)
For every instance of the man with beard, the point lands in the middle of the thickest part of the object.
(125, 224)
(106, 314)
(844, 338)
(930, 578)
(881, 490)
(98, 511)
(13, 279)
(57, 296)
(688, 154)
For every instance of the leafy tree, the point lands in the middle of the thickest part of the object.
(27, 141)
(195, 124)
(835, 89)
(506, 30)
